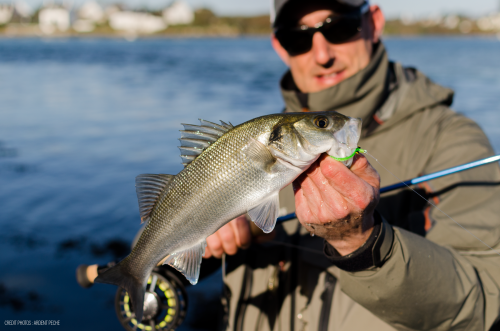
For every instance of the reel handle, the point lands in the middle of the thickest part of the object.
(86, 274)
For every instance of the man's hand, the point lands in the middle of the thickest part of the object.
(337, 203)
(228, 239)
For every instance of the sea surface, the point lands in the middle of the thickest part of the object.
(80, 118)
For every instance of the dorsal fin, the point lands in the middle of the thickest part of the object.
(213, 125)
(149, 187)
(227, 126)
(195, 138)
(198, 135)
(205, 129)
(198, 143)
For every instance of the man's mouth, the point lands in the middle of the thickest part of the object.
(331, 78)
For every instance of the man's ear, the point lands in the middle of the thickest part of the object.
(282, 53)
(378, 22)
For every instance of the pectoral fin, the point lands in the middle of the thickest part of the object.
(265, 214)
(259, 153)
(188, 261)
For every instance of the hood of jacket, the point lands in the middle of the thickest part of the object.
(384, 92)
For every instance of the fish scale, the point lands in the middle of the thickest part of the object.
(240, 171)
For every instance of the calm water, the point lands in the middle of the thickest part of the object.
(79, 119)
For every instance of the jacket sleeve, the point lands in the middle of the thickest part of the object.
(449, 279)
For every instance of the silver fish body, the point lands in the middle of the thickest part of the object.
(241, 171)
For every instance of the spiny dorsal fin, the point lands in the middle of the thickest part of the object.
(149, 187)
(227, 126)
(187, 159)
(212, 125)
(195, 138)
(198, 135)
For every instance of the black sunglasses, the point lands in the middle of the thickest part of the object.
(337, 29)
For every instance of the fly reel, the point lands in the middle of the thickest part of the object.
(165, 304)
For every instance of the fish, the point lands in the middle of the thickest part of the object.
(229, 171)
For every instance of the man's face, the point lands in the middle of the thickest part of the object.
(327, 64)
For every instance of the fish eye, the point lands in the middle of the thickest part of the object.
(321, 122)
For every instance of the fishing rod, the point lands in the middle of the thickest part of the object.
(420, 179)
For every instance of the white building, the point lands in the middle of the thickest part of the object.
(51, 19)
(89, 14)
(23, 9)
(6, 12)
(136, 23)
(20, 10)
(91, 11)
(111, 10)
(178, 13)
(451, 22)
(489, 23)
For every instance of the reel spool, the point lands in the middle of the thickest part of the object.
(165, 304)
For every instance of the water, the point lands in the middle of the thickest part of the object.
(79, 119)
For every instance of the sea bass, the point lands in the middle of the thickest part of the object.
(228, 171)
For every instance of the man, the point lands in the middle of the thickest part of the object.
(373, 263)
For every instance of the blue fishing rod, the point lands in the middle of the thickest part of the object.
(421, 179)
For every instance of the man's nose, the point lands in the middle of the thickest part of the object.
(323, 54)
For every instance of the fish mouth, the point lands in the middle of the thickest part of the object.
(297, 164)
(346, 140)
(301, 163)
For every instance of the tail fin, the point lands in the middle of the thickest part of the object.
(120, 277)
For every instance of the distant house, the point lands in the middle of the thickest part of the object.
(111, 9)
(91, 11)
(136, 23)
(178, 13)
(52, 19)
(6, 12)
(451, 22)
(17, 12)
(89, 14)
(22, 9)
(489, 23)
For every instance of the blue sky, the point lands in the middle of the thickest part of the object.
(392, 8)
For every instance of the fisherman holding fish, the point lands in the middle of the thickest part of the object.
(354, 260)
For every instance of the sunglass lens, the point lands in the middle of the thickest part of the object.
(342, 30)
(294, 42)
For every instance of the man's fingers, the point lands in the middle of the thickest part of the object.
(242, 231)
(214, 246)
(364, 170)
(302, 209)
(229, 238)
(357, 187)
(309, 196)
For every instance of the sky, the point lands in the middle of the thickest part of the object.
(391, 8)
